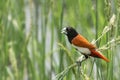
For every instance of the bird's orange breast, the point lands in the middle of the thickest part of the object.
(80, 41)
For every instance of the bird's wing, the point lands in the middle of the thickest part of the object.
(80, 41)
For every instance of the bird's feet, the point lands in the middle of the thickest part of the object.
(81, 59)
(79, 62)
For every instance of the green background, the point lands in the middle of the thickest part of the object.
(33, 48)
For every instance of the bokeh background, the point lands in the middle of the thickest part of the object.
(33, 48)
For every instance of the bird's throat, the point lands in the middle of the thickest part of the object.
(71, 37)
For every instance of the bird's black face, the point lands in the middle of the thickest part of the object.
(70, 32)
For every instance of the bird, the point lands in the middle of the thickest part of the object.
(82, 44)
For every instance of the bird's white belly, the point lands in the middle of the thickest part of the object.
(82, 50)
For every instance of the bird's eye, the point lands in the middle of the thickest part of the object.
(68, 29)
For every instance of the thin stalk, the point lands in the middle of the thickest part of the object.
(96, 36)
(61, 22)
(52, 44)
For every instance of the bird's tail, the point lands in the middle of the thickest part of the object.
(97, 54)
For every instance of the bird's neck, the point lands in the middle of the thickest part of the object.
(70, 37)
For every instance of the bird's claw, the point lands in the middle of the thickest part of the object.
(81, 59)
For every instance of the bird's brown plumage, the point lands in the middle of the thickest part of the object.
(80, 41)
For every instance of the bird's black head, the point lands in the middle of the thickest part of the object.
(70, 32)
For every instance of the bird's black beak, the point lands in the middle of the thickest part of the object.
(64, 31)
